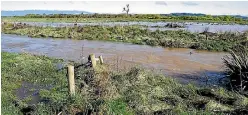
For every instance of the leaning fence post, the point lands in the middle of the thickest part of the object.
(71, 80)
(101, 59)
(93, 60)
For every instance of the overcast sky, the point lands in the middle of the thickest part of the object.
(150, 7)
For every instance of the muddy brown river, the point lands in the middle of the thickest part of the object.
(176, 62)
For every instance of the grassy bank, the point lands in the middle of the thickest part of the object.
(104, 91)
(72, 20)
(137, 35)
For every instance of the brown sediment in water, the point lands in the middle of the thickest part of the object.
(17, 45)
(173, 59)
(170, 61)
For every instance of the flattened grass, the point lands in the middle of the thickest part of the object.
(136, 35)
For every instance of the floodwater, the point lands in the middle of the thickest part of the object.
(29, 90)
(175, 62)
(189, 26)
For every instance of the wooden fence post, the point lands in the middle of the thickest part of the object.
(93, 60)
(101, 59)
(71, 80)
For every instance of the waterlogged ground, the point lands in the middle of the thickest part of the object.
(110, 91)
(180, 63)
(190, 26)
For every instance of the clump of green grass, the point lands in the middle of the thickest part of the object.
(237, 68)
(149, 93)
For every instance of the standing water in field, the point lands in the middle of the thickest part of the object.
(185, 64)
(190, 26)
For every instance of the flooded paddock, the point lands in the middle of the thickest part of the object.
(189, 26)
(187, 65)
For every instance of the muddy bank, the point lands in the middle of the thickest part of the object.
(187, 64)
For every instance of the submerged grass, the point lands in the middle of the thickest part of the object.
(135, 34)
(105, 91)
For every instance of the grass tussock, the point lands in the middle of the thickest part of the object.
(135, 34)
(237, 68)
(104, 91)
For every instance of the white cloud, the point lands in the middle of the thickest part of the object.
(161, 3)
(153, 7)
(189, 3)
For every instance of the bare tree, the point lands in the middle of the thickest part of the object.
(77, 17)
(206, 32)
(126, 9)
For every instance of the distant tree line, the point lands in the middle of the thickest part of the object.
(140, 16)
